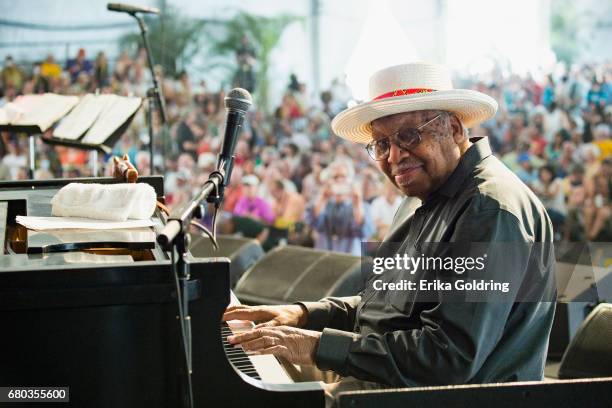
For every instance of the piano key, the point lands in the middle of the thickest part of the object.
(264, 367)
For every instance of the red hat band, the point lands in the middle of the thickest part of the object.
(402, 92)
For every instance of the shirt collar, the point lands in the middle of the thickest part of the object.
(478, 151)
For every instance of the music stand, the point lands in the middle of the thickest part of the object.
(105, 147)
(95, 124)
(31, 123)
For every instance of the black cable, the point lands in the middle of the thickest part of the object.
(210, 235)
(214, 223)
(214, 220)
(179, 298)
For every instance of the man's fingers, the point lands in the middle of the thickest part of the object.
(260, 343)
(279, 351)
(245, 314)
(269, 323)
(233, 315)
(252, 335)
(235, 307)
(243, 337)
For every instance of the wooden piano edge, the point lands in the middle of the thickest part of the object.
(591, 392)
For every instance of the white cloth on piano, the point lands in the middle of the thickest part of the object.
(115, 202)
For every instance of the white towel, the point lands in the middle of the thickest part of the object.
(115, 202)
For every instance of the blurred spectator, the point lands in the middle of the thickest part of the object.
(245, 57)
(81, 85)
(339, 216)
(311, 184)
(575, 193)
(371, 185)
(234, 191)
(549, 190)
(126, 146)
(288, 205)
(526, 172)
(252, 215)
(597, 97)
(143, 163)
(383, 210)
(11, 75)
(14, 160)
(553, 150)
(50, 69)
(122, 66)
(251, 204)
(101, 71)
(78, 65)
(548, 95)
(189, 131)
(589, 156)
(555, 120)
(602, 139)
(598, 210)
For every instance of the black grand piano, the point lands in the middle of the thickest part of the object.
(104, 323)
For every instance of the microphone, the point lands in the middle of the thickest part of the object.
(237, 103)
(127, 8)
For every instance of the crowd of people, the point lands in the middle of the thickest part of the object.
(295, 182)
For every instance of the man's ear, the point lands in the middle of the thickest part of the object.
(457, 128)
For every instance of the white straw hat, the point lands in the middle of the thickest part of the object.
(407, 88)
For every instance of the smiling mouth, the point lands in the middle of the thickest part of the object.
(404, 176)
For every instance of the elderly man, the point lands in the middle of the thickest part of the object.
(415, 127)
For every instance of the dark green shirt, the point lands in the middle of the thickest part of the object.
(399, 338)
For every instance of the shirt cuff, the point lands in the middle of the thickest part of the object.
(318, 314)
(333, 350)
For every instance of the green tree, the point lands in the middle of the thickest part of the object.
(564, 36)
(174, 38)
(264, 34)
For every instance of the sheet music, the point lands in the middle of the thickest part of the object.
(84, 257)
(115, 114)
(42, 110)
(9, 113)
(145, 234)
(45, 223)
(83, 116)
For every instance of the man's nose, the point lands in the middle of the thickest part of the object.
(395, 154)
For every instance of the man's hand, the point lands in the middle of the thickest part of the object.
(268, 316)
(297, 346)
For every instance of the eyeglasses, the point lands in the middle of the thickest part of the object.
(404, 139)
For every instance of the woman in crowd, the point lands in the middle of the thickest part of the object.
(549, 190)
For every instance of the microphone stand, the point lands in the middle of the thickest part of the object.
(175, 237)
(154, 94)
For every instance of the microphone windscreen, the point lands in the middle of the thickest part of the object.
(238, 99)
